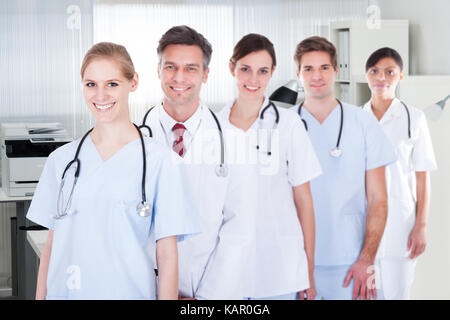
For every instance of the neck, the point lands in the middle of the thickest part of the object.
(245, 108)
(380, 104)
(181, 113)
(116, 133)
(320, 108)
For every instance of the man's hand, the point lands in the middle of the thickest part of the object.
(363, 281)
(417, 241)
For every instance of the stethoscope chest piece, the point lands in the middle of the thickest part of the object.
(221, 170)
(144, 209)
(336, 152)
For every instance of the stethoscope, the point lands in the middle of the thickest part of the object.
(275, 124)
(336, 152)
(408, 117)
(221, 169)
(144, 209)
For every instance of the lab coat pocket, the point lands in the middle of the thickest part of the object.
(136, 225)
(352, 228)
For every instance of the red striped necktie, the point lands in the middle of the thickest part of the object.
(178, 145)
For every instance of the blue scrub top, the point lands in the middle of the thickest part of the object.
(339, 194)
(103, 251)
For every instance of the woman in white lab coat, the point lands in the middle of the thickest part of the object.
(408, 180)
(97, 242)
(273, 162)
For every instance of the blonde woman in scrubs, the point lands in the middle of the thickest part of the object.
(408, 180)
(272, 174)
(97, 248)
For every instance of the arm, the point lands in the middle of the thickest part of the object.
(417, 238)
(377, 206)
(167, 262)
(41, 287)
(305, 211)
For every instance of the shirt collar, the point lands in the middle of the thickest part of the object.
(191, 124)
(394, 110)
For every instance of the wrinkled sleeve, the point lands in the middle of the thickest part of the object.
(43, 205)
(174, 211)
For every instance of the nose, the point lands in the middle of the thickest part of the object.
(317, 74)
(101, 95)
(381, 76)
(178, 75)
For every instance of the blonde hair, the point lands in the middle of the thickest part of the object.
(113, 51)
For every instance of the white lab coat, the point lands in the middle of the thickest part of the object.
(415, 154)
(202, 142)
(262, 198)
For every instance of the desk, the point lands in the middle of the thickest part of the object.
(24, 260)
(37, 240)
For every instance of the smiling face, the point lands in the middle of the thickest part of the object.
(106, 90)
(182, 74)
(253, 73)
(384, 77)
(317, 74)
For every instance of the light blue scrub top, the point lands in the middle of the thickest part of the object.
(102, 251)
(339, 194)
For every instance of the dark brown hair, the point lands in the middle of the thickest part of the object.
(187, 36)
(382, 53)
(315, 44)
(253, 42)
(112, 51)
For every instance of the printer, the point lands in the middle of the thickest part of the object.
(24, 150)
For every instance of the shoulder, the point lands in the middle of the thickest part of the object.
(66, 152)
(358, 114)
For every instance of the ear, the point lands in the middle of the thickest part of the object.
(158, 70)
(401, 75)
(134, 82)
(298, 72)
(205, 75)
(273, 69)
(232, 67)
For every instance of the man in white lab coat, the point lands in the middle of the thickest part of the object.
(189, 127)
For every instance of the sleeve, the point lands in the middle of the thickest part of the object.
(174, 210)
(379, 149)
(423, 158)
(43, 205)
(303, 164)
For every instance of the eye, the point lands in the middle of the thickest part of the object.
(244, 69)
(169, 67)
(372, 71)
(325, 67)
(192, 69)
(264, 71)
(113, 84)
(390, 72)
(90, 84)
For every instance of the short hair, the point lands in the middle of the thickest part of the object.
(253, 42)
(382, 53)
(112, 51)
(315, 43)
(186, 36)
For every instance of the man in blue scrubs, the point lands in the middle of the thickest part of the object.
(350, 198)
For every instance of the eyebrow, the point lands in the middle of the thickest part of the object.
(247, 66)
(110, 80)
(322, 65)
(187, 64)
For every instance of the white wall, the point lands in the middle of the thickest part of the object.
(429, 26)
(430, 54)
